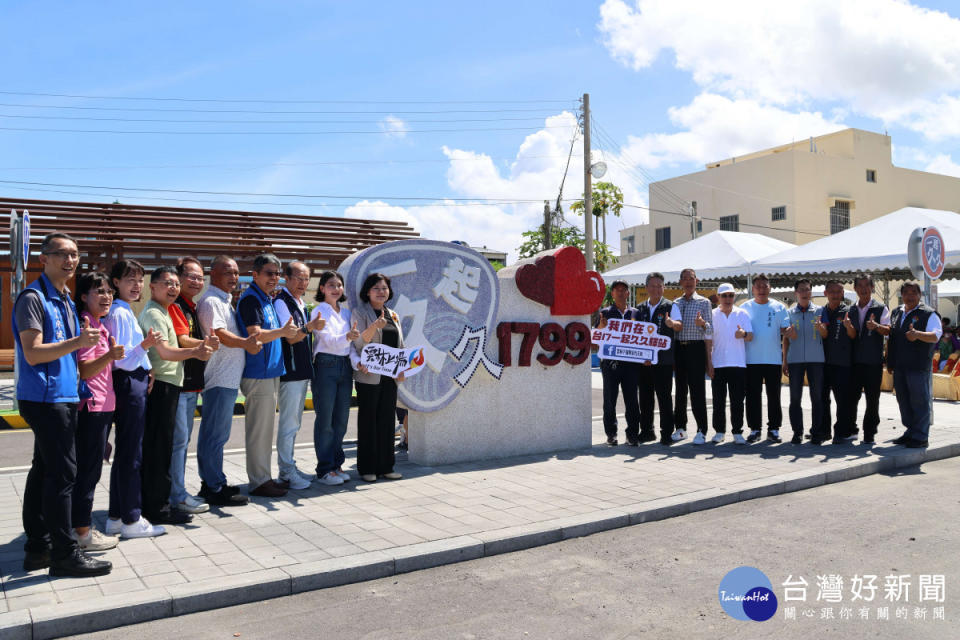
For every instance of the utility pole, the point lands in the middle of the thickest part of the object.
(587, 185)
(547, 231)
(693, 220)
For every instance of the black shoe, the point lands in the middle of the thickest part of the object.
(753, 437)
(170, 516)
(612, 441)
(916, 444)
(34, 560)
(904, 439)
(816, 441)
(224, 498)
(80, 565)
(632, 442)
(773, 438)
(647, 436)
(808, 436)
(867, 440)
(666, 441)
(797, 439)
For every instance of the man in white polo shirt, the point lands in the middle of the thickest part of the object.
(728, 368)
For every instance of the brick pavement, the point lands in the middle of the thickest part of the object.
(333, 535)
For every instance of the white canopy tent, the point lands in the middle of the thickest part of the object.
(714, 255)
(876, 245)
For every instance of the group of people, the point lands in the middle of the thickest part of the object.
(838, 350)
(87, 363)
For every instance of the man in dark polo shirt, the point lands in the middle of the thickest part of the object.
(619, 375)
(47, 336)
(871, 322)
(837, 360)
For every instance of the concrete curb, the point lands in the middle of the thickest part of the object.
(51, 621)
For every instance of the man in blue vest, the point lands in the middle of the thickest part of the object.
(47, 336)
(870, 322)
(803, 357)
(914, 332)
(261, 373)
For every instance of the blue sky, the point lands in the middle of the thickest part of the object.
(672, 84)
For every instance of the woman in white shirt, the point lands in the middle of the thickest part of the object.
(332, 382)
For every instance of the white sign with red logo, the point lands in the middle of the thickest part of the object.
(630, 341)
(389, 361)
(933, 253)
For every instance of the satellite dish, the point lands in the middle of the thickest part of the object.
(598, 169)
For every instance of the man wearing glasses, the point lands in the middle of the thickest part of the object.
(47, 336)
(186, 324)
(261, 373)
(803, 356)
(297, 361)
(166, 361)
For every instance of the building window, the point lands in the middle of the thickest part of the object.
(630, 245)
(839, 216)
(663, 238)
(871, 175)
(730, 223)
(778, 213)
(699, 226)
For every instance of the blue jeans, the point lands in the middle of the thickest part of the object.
(332, 388)
(183, 427)
(216, 418)
(913, 396)
(290, 400)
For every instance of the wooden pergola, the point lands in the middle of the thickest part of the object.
(157, 236)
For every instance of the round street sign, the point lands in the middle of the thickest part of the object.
(933, 253)
(25, 236)
(14, 239)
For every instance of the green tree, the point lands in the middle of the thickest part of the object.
(566, 236)
(607, 199)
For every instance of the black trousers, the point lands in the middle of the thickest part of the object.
(838, 381)
(48, 495)
(619, 376)
(376, 406)
(866, 379)
(733, 379)
(130, 388)
(758, 376)
(656, 379)
(91, 439)
(158, 447)
(691, 369)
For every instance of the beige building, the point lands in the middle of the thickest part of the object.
(796, 192)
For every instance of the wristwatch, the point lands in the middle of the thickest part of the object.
(304, 330)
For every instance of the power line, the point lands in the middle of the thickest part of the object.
(221, 121)
(742, 224)
(276, 133)
(273, 101)
(544, 110)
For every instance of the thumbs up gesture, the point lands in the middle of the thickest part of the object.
(116, 350)
(912, 333)
(700, 322)
(872, 324)
(790, 332)
(289, 330)
(212, 342)
(317, 324)
(381, 322)
(252, 343)
(848, 323)
(202, 351)
(88, 336)
(740, 333)
(353, 334)
(152, 338)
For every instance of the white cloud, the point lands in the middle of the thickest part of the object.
(534, 175)
(716, 127)
(874, 55)
(394, 127)
(943, 163)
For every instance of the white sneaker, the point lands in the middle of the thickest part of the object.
(113, 526)
(739, 439)
(193, 505)
(331, 478)
(678, 435)
(717, 438)
(141, 529)
(296, 482)
(343, 474)
(699, 439)
(94, 541)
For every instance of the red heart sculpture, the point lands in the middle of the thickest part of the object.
(576, 291)
(536, 281)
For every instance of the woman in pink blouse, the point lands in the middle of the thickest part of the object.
(93, 298)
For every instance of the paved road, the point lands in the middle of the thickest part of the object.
(656, 580)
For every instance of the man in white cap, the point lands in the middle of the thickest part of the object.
(728, 368)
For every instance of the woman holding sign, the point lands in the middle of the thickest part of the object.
(332, 377)
(376, 394)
